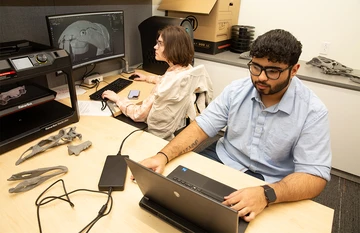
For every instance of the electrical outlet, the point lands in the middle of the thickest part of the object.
(325, 47)
(92, 79)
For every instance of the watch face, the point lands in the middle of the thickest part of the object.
(269, 193)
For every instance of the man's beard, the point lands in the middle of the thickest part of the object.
(273, 90)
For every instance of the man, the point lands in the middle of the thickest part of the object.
(277, 130)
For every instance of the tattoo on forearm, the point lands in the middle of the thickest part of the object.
(191, 147)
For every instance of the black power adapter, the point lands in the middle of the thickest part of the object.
(114, 173)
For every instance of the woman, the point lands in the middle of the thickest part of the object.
(173, 46)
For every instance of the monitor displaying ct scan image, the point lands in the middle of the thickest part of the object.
(88, 37)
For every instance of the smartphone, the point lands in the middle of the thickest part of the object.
(113, 173)
(133, 94)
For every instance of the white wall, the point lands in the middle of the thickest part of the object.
(155, 4)
(311, 21)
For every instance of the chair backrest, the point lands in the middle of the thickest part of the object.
(175, 99)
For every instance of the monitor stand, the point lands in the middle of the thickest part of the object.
(127, 69)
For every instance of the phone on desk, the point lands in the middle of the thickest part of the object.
(134, 94)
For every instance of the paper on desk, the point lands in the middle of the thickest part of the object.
(62, 92)
(92, 108)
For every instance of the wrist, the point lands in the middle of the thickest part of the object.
(165, 156)
(270, 194)
(118, 102)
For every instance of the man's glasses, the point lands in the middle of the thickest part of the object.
(272, 73)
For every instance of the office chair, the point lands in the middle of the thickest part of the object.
(185, 95)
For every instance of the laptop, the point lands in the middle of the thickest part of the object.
(187, 200)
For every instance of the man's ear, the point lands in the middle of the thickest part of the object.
(295, 69)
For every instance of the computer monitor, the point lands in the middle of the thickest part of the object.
(88, 37)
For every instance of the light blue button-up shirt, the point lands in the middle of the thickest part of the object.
(291, 136)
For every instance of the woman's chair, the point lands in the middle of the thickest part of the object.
(182, 97)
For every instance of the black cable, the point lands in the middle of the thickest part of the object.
(104, 104)
(101, 213)
(83, 76)
(122, 143)
(39, 204)
(49, 199)
(97, 85)
(87, 73)
(93, 73)
(88, 87)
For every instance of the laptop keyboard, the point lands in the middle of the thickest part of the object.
(116, 86)
(197, 189)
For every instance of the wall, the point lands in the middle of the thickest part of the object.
(25, 19)
(312, 22)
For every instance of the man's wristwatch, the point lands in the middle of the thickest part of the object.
(269, 194)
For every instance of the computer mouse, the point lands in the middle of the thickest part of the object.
(133, 76)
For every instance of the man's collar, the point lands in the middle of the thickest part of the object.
(287, 100)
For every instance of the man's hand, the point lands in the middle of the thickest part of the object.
(156, 163)
(249, 202)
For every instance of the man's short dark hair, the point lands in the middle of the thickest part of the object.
(278, 46)
(179, 48)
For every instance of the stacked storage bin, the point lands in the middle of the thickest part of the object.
(241, 38)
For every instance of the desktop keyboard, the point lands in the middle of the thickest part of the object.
(116, 86)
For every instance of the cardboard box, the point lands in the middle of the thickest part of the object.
(214, 20)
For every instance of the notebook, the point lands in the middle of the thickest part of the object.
(187, 200)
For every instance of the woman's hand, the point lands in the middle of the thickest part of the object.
(142, 77)
(110, 95)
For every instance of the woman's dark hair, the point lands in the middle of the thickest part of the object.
(179, 48)
(278, 46)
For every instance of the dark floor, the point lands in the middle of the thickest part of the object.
(340, 194)
(343, 196)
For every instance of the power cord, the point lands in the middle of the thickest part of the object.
(122, 143)
(86, 73)
(95, 85)
(49, 199)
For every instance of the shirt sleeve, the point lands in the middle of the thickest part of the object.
(312, 153)
(215, 115)
(136, 112)
(153, 79)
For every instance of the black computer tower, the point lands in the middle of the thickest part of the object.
(149, 32)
